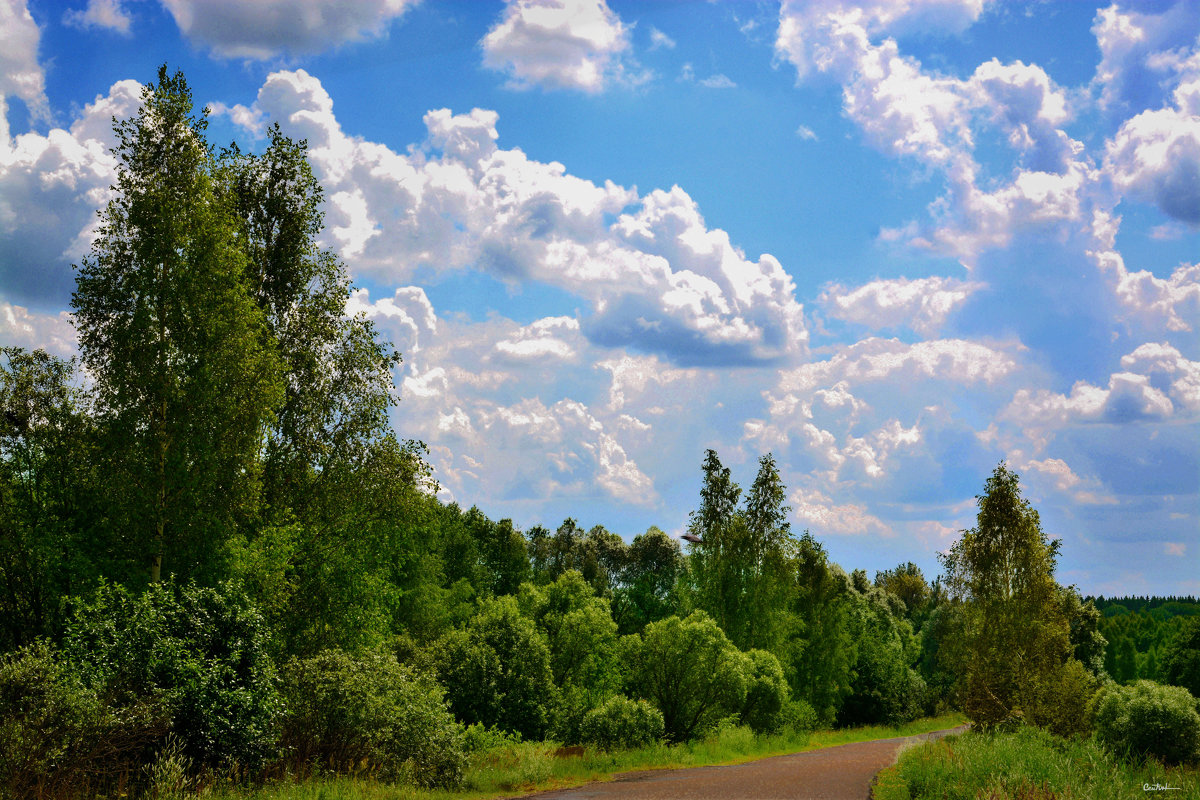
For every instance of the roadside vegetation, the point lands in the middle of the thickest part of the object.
(222, 572)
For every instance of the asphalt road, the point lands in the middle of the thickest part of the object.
(835, 773)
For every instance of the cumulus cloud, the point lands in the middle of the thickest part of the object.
(559, 44)
(268, 28)
(1142, 54)
(20, 73)
(905, 110)
(50, 188)
(55, 333)
(1155, 156)
(107, 14)
(1156, 383)
(1058, 473)
(817, 511)
(922, 304)
(655, 276)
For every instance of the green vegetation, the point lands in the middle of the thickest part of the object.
(221, 569)
(1026, 764)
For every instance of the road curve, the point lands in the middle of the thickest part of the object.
(844, 772)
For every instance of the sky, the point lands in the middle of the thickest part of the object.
(892, 243)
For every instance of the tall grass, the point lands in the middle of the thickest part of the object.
(517, 768)
(1028, 764)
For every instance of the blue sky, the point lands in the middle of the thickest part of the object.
(893, 243)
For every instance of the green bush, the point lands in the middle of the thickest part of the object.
(766, 694)
(621, 723)
(1148, 719)
(202, 652)
(345, 709)
(59, 738)
(497, 671)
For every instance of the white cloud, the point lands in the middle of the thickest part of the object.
(407, 316)
(558, 44)
(1155, 156)
(54, 333)
(267, 28)
(718, 81)
(806, 133)
(815, 510)
(922, 304)
(1156, 383)
(20, 73)
(1085, 491)
(50, 188)
(653, 274)
(1142, 54)
(658, 39)
(1172, 303)
(935, 120)
(107, 14)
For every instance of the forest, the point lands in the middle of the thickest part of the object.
(217, 558)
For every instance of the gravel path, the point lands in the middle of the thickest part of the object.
(835, 773)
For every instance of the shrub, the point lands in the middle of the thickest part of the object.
(766, 693)
(201, 651)
(1148, 719)
(345, 709)
(619, 723)
(497, 671)
(691, 672)
(799, 716)
(58, 737)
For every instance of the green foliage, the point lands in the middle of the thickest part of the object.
(598, 555)
(497, 670)
(907, 583)
(60, 737)
(1181, 661)
(47, 493)
(344, 709)
(620, 723)
(582, 638)
(185, 376)
(820, 652)
(690, 670)
(739, 570)
(647, 589)
(1087, 642)
(765, 709)
(201, 652)
(1146, 719)
(1011, 637)
(884, 689)
(1139, 631)
(1025, 764)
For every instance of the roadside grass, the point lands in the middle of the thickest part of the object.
(1028, 764)
(518, 769)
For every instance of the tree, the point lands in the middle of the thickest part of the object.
(647, 591)
(907, 583)
(1180, 664)
(1013, 640)
(47, 492)
(338, 386)
(186, 376)
(690, 670)
(739, 568)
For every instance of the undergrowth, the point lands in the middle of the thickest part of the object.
(1028, 764)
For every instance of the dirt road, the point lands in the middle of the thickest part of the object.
(835, 773)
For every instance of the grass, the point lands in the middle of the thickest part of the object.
(1027, 764)
(532, 766)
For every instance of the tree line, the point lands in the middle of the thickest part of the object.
(214, 548)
